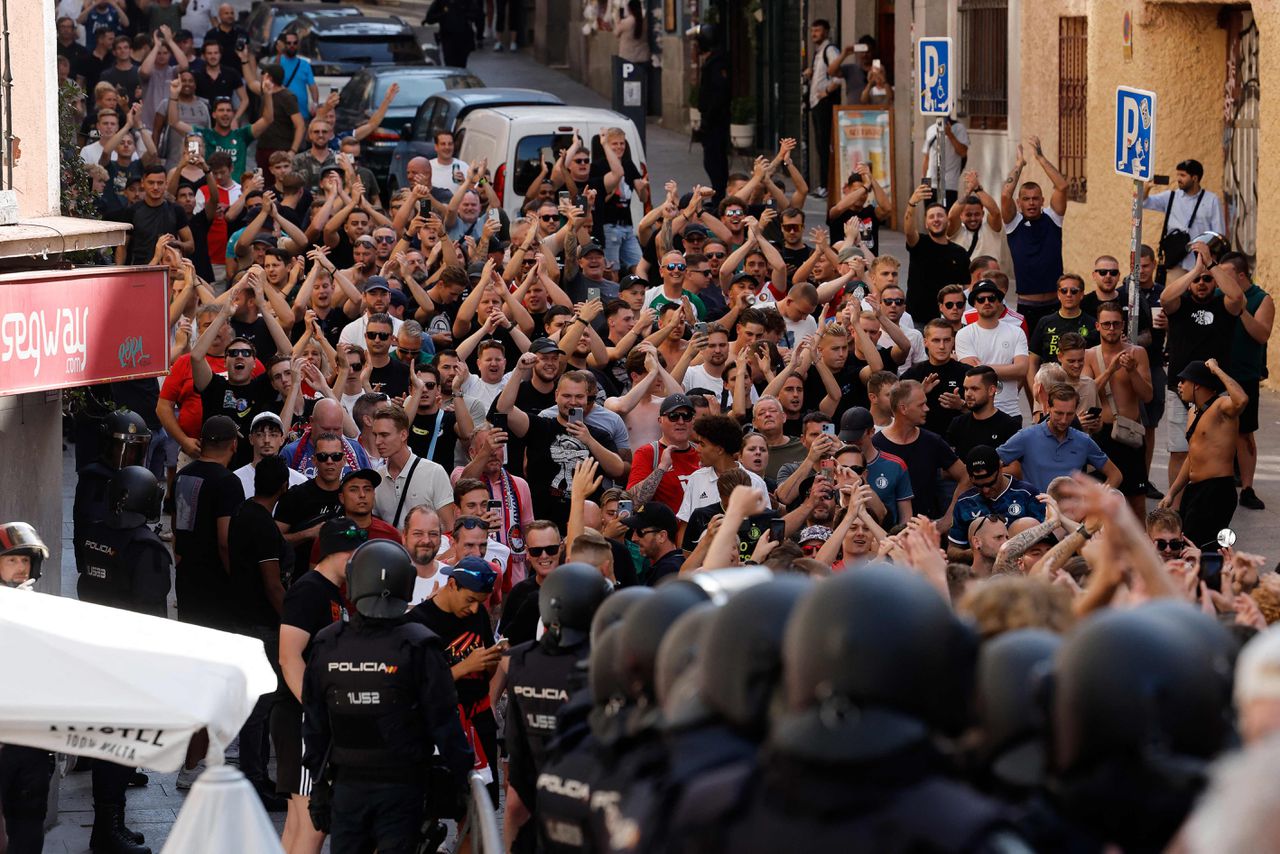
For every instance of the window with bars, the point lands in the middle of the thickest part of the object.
(1073, 110)
(984, 63)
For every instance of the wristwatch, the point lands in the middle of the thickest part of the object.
(1084, 532)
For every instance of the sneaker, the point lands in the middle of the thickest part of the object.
(1250, 499)
(164, 535)
(498, 47)
(138, 780)
(1154, 493)
(187, 776)
(232, 753)
(818, 192)
(513, 47)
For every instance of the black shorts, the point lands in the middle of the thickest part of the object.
(1207, 508)
(1249, 416)
(286, 736)
(1132, 462)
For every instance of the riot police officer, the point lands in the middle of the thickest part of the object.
(876, 668)
(125, 566)
(24, 771)
(124, 442)
(539, 677)
(379, 700)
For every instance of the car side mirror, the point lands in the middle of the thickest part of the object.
(407, 130)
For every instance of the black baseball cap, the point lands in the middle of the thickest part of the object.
(854, 423)
(672, 402)
(632, 281)
(1198, 372)
(982, 461)
(399, 299)
(745, 277)
(331, 167)
(984, 286)
(361, 474)
(374, 283)
(265, 237)
(476, 269)
(340, 535)
(695, 228)
(219, 428)
(587, 248)
(653, 514)
(474, 574)
(544, 345)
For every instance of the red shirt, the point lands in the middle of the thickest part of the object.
(217, 240)
(179, 388)
(378, 530)
(671, 488)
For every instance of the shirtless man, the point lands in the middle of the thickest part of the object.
(1124, 385)
(1206, 475)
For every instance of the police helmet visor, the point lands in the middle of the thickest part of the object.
(21, 538)
(125, 449)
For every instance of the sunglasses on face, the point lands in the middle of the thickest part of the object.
(429, 385)
(549, 217)
(471, 523)
(240, 352)
(1070, 292)
(733, 213)
(403, 351)
(795, 227)
(858, 469)
(1107, 272)
(1173, 545)
(581, 162)
(541, 551)
(893, 301)
(677, 267)
(984, 298)
(956, 304)
(717, 255)
(701, 272)
(680, 416)
(1203, 279)
(378, 336)
(1110, 324)
(337, 456)
(386, 238)
(357, 366)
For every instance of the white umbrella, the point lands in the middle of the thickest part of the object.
(88, 680)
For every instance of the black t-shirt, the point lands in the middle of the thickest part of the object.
(793, 258)
(951, 379)
(421, 430)
(199, 225)
(668, 564)
(576, 288)
(241, 403)
(1044, 338)
(1200, 330)
(853, 389)
(461, 637)
(923, 457)
(967, 432)
(253, 539)
(1089, 305)
(223, 86)
(129, 78)
(868, 226)
(933, 266)
(331, 326)
(148, 224)
(305, 506)
(311, 603)
(203, 493)
(259, 333)
(520, 612)
(392, 379)
(552, 455)
(529, 401)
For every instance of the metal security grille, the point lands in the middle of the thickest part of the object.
(1073, 83)
(1240, 137)
(984, 63)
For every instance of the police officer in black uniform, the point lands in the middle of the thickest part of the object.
(125, 566)
(24, 771)
(714, 91)
(379, 701)
(877, 666)
(124, 441)
(540, 675)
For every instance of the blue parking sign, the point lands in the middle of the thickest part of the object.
(935, 76)
(1135, 132)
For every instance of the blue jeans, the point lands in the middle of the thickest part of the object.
(620, 244)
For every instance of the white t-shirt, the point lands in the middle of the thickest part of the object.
(700, 490)
(449, 177)
(476, 390)
(430, 485)
(798, 330)
(998, 346)
(92, 153)
(245, 473)
(951, 162)
(425, 588)
(697, 377)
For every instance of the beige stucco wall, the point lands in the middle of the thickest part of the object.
(35, 109)
(1179, 52)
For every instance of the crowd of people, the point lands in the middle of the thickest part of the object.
(480, 403)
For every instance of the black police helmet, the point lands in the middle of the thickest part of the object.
(133, 497)
(742, 655)
(568, 599)
(1126, 681)
(1012, 721)
(125, 437)
(873, 661)
(643, 628)
(616, 606)
(604, 678)
(680, 648)
(380, 578)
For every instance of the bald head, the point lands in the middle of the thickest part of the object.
(418, 166)
(327, 417)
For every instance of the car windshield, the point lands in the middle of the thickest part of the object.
(371, 50)
(284, 18)
(416, 88)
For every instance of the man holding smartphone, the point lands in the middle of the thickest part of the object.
(1188, 208)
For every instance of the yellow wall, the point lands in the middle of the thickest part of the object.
(1179, 52)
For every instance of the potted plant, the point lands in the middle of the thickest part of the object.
(742, 122)
(695, 115)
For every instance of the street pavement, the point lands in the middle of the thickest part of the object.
(153, 809)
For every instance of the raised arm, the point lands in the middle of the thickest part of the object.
(1058, 200)
(1009, 189)
(375, 120)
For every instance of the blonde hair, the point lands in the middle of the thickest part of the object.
(1007, 602)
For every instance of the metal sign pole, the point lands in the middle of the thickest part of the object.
(939, 173)
(1135, 257)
